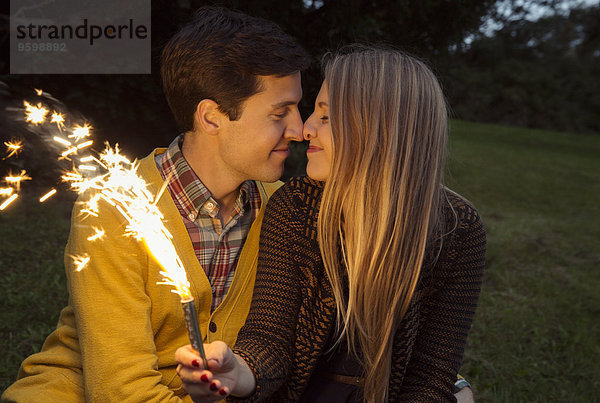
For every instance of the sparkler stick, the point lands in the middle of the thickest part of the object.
(191, 324)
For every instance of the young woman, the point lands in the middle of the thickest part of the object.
(370, 269)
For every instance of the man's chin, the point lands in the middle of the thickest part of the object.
(271, 175)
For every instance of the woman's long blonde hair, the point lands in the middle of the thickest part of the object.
(381, 201)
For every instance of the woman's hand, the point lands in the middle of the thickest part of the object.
(227, 373)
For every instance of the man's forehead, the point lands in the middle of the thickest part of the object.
(280, 92)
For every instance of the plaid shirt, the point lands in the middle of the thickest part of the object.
(217, 248)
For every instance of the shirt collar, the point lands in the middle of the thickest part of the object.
(183, 183)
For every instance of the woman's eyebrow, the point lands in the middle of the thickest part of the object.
(323, 104)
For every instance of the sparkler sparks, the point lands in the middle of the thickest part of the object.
(59, 119)
(33, 114)
(17, 179)
(80, 261)
(84, 144)
(80, 132)
(8, 201)
(39, 92)
(112, 178)
(13, 147)
(62, 141)
(120, 186)
(47, 195)
(68, 152)
(98, 234)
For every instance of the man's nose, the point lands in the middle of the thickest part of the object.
(293, 130)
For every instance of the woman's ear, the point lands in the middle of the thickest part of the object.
(207, 117)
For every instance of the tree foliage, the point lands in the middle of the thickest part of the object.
(542, 73)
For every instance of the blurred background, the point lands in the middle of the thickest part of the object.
(522, 79)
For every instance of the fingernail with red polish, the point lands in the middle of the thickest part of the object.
(222, 392)
(196, 364)
(204, 378)
(213, 387)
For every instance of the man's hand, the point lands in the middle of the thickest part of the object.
(226, 373)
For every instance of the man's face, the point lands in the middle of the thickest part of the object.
(256, 145)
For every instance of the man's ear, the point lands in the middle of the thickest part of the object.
(207, 117)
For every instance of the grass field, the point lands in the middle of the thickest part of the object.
(536, 335)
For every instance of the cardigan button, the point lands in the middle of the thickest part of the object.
(212, 326)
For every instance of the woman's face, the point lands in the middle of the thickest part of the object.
(318, 132)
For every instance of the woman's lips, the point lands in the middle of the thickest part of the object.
(313, 149)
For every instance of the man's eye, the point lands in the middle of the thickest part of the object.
(280, 115)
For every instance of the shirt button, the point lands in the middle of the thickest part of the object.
(212, 327)
(191, 217)
(210, 205)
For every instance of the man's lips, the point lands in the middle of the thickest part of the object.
(314, 149)
(282, 151)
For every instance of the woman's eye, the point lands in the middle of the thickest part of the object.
(324, 118)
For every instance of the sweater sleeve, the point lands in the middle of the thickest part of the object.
(266, 340)
(447, 314)
(112, 312)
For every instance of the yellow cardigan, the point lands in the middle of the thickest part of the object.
(120, 329)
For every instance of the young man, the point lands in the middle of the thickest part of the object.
(233, 84)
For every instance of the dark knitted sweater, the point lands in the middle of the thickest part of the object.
(293, 308)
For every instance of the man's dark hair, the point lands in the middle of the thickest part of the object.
(218, 56)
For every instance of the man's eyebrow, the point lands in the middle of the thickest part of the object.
(283, 104)
(323, 104)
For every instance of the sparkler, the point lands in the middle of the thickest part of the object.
(113, 179)
(13, 147)
(119, 185)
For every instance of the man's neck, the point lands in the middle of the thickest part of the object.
(218, 179)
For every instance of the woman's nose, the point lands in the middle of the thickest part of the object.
(308, 130)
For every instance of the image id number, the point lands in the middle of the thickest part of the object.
(41, 47)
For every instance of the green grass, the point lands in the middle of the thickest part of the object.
(33, 281)
(536, 335)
